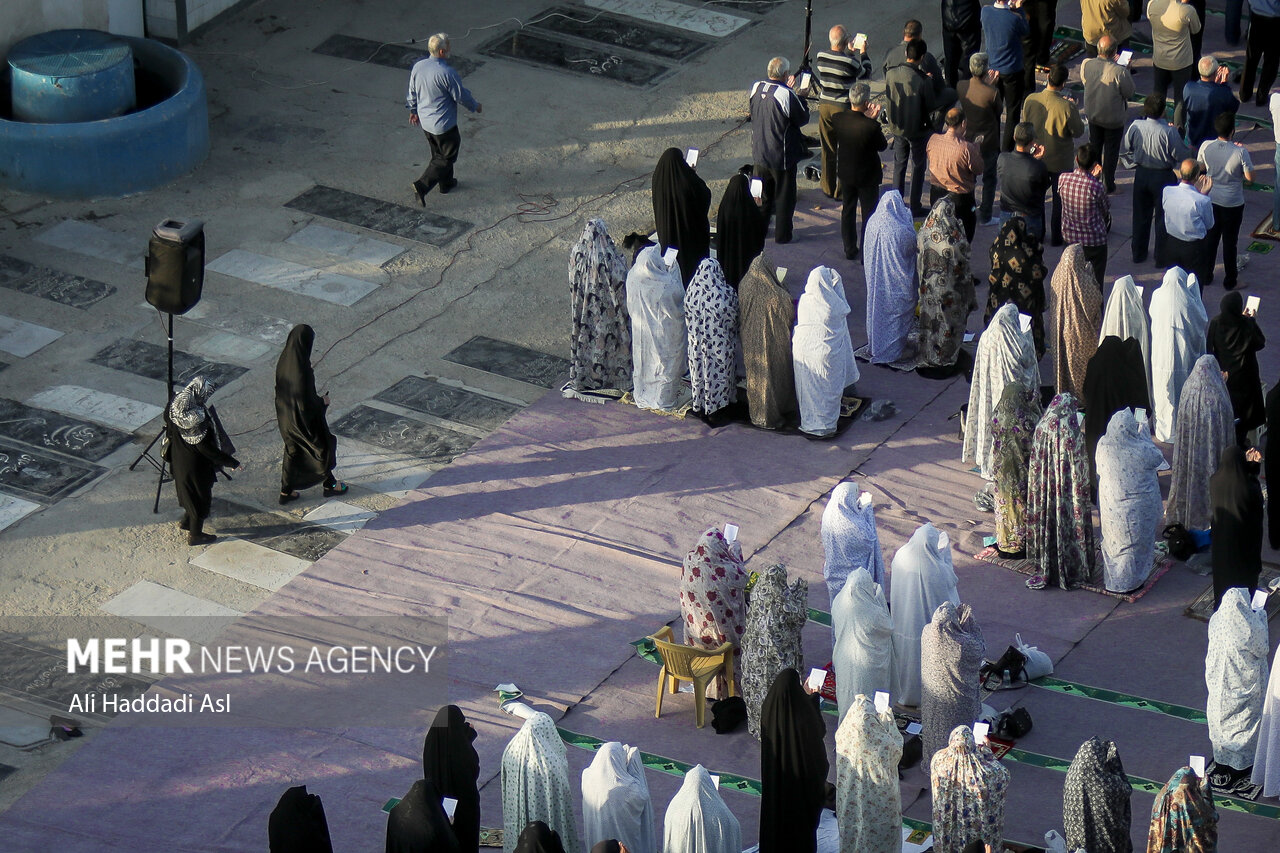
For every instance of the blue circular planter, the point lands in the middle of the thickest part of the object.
(119, 155)
(71, 75)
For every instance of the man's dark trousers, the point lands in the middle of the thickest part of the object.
(854, 197)
(444, 153)
(1148, 206)
(914, 149)
(1226, 230)
(779, 198)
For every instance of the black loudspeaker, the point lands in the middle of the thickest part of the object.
(175, 265)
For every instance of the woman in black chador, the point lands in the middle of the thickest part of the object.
(310, 450)
(450, 763)
(681, 201)
(196, 448)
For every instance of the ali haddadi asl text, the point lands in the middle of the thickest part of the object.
(113, 703)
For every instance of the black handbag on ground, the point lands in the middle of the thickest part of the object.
(1014, 724)
(1181, 545)
(1007, 673)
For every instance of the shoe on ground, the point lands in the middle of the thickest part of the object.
(419, 194)
(194, 539)
(445, 188)
(1242, 260)
(338, 489)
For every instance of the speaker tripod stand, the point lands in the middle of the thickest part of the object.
(160, 464)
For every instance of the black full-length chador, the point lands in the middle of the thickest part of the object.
(195, 453)
(1234, 339)
(1236, 498)
(298, 825)
(740, 229)
(681, 203)
(418, 823)
(793, 767)
(310, 450)
(450, 762)
(1115, 379)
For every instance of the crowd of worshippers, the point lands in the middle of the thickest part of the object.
(197, 448)
(976, 117)
(919, 645)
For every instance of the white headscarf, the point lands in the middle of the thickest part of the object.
(849, 537)
(920, 579)
(1005, 354)
(188, 410)
(1178, 326)
(821, 351)
(615, 800)
(697, 819)
(1125, 317)
(868, 800)
(535, 784)
(863, 652)
(1235, 670)
(889, 262)
(659, 350)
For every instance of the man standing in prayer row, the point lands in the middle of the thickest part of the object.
(1228, 165)
(435, 90)
(961, 37)
(777, 144)
(1004, 25)
(954, 164)
(837, 69)
(1262, 46)
(1207, 98)
(1154, 149)
(897, 55)
(1057, 121)
(982, 106)
(1086, 210)
(1104, 18)
(1024, 179)
(1108, 87)
(858, 141)
(1172, 24)
(910, 97)
(1188, 216)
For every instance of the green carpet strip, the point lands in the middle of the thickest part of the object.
(1124, 700)
(1021, 756)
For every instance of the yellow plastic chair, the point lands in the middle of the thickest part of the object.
(686, 663)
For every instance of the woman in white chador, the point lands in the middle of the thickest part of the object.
(1235, 671)
(889, 261)
(1125, 317)
(1202, 428)
(849, 538)
(863, 653)
(1129, 503)
(1005, 354)
(535, 783)
(822, 352)
(697, 819)
(615, 799)
(868, 801)
(1178, 327)
(659, 349)
(920, 579)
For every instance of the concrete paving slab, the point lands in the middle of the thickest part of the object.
(172, 612)
(432, 397)
(389, 55)
(40, 476)
(344, 244)
(250, 563)
(239, 320)
(109, 409)
(679, 15)
(295, 278)
(55, 431)
(379, 470)
(575, 57)
(20, 338)
(85, 238)
(512, 361)
(377, 215)
(281, 533)
(615, 31)
(63, 288)
(13, 510)
(230, 345)
(434, 445)
(340, 516)
(21, 730)
(142, 358)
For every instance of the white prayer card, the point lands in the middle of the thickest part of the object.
(757, 188)
(715, 780)
(859, 41)
(804, 80)
(691, 157)
(1080, 419)
(980, 732)
(1024, 321)
(882, 702)
(730, 532)
(669, 256)
(968, 336)
(1125, 57)
(864, 500)
(1197, 765)
(944, 541)
(817, 678)
(781, 273)
(1259, 599)
(914, 728)
(1251, 304)
(1140, 415)
(450, 806)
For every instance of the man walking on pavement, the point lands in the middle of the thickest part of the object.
(435, 90)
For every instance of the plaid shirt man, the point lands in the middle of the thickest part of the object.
(1086, 210)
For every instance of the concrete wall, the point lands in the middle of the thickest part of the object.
(22, 18)
(176, 19)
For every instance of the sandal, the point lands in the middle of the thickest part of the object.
(1036, 582)
(289, 498)
(339, 488)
